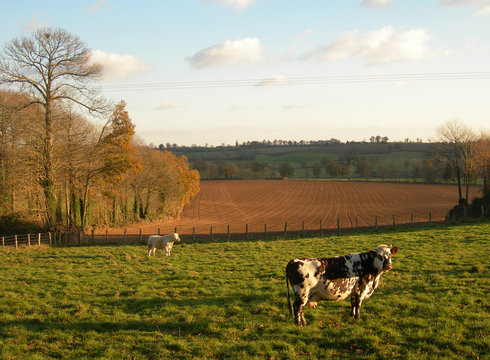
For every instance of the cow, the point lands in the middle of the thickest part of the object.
(356, 275)
(162, 242)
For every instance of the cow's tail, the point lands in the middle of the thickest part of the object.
(289, 298)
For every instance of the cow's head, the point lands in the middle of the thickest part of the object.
(382, 259)
(176, 237)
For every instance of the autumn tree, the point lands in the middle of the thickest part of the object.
(164, 185)
(481, 151)
(76, 141)
(111, 155)
(16, 129)
(51, 66)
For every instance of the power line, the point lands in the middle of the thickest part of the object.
(315, 80)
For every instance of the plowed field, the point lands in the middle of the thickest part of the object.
(254, 203)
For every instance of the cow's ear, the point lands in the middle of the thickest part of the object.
(394, 250)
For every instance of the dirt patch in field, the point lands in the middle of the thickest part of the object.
(238, 206)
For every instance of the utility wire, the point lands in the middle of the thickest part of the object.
(183, 85)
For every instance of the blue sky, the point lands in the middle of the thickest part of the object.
(217, 71)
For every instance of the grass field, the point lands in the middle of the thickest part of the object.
(227, 300)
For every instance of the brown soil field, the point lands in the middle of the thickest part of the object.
(239, 204)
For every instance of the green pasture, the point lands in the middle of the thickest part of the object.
(227, 300)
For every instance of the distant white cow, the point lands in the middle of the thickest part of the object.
(162, 242)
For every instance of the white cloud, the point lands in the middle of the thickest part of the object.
(95, 7)
(484, 10)
(237, 4)
(458, 2)
(273, 80)
(380, 46)
(294, 106)
(376, 3)
(482, 5)
(169, 105)
(235, 52)
(118, 66)
(302, 35)
(32, 24)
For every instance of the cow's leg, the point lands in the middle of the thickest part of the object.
(149, 250)
(354, 303)
(298, 307)
(358, 296)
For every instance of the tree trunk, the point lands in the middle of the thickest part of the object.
(83, 207)
(458, 178)
(47, 181)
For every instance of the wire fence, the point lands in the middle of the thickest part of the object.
(238, 233)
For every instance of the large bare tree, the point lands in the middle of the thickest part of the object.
(51, 66)
(454, 148)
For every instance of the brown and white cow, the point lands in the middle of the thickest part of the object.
(356, 275)
(162, 242)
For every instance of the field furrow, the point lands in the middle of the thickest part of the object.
(253, 203)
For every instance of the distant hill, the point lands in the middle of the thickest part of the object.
(317, 160)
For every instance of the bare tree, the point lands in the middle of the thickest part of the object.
(51, 66)
(455, 149)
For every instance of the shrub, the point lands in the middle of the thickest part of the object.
(17, 223)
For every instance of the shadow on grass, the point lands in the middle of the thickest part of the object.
(174, 328)
(157, 305)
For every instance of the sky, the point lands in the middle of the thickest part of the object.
(213, 72)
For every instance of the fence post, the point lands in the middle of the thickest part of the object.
(124, 238)
(357, 225)
(285, 229)
(29, 240)
(246, 231)
(140, 236)
(265, 231)
(430, 217)
(175, 229)
(106, 236)
(303, 228)
(158, 231)
(228, 231)
(16, 243)
(211, 232)
(49, 235)
(321, 228)
(411, 219)
(338, 226)
(39, 239)
(376, 222)
(193, 233)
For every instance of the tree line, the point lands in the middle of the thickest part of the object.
(70, 158)
(456, 154)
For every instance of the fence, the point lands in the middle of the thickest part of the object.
(27, 239)
(242, 234)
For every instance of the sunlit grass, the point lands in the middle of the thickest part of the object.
(228, 300)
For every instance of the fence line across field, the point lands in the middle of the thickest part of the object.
(243, 233)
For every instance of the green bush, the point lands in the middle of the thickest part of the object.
(17, 223)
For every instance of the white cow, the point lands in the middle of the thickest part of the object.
(162, 242)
